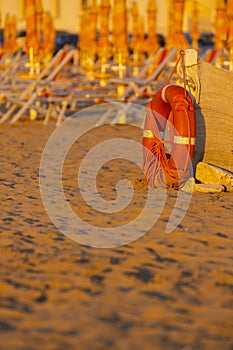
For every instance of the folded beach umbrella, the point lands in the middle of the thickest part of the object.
(93, 16)
(175, 36)
(83, 30)
(119, 21)
(152, 44)
(39, 16)
(7, 33)
(15, 45)
(10, 34)
(48, 31)
(134, 25)
(31, 41)
(104, 46)
(141, 36)
(220, 36)
(170, 24)
(195, 35)
(87, 42)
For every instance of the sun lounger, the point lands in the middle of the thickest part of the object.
(212, 55)
(21, 103)
(140, 81)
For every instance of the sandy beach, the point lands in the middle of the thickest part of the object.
(163, 291)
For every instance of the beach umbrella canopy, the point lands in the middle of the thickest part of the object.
(119, 21)
(220, 36)
(31, 40)
(134, 25)
(104, 46)
(195, 35)
(83, 32)
(170, 24)
(39, 16)
(10, 34)
(152, 44)
(140, 45)
(177, 38)
(15, 45)
(48, 30)
(7, 32)
(93, 16)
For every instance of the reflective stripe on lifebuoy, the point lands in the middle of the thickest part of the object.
(177, 139)
(170, 111)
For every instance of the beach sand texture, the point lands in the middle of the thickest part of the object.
(163, 291)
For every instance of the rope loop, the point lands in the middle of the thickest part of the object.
(180, 58)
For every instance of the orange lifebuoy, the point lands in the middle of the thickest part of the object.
(170, 111)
